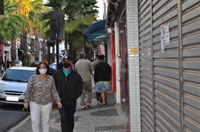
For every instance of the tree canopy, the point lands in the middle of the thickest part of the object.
(79, 15)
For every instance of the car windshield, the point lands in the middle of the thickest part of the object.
(53, 66)
(17, 62)
(34, 64)
(18, 75)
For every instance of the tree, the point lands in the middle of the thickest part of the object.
(31, 10)
(80, 14)
(10, 25)
(36, 25)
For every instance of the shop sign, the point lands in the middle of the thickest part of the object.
(134, 51)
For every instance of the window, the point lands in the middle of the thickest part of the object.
(18, 75)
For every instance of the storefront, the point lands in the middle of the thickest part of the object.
(116, 21)
(160, 41)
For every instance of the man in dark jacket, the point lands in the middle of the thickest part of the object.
(69, 85)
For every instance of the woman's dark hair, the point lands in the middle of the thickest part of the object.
(38, 67)
(101, 57)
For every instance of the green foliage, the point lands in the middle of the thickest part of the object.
(76, 38)
(80, 13)
(11, 22)
(55, 4)
(76, 24)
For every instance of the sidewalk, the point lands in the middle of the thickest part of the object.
(95, 119)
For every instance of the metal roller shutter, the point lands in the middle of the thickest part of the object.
(166, 67)
(170, 81)
(191, 64)
(145, 65)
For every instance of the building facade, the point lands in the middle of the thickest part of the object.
(156, 62)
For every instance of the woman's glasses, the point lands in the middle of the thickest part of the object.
(42, 67)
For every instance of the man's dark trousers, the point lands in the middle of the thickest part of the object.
(67, 115)
(98, 96)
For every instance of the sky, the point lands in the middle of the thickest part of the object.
(100, 9)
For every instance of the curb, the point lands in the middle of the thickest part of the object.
(20, 124)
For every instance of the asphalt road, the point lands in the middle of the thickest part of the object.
(11, 115)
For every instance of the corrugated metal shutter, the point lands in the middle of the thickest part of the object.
(191, 64)
(166, 67)
(144, 19)
(170, 81)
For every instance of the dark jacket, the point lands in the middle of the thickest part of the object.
(102, 72)
(70, 87)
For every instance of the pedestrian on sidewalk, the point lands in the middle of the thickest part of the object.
(40, 89)
(98, 95)
(7, 64)
(84, 68)
(2, 65)
(102, 78)
(60, 65)
(69, 85)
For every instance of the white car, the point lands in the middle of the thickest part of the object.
(14, 83)
(18, 63)
(53, 66)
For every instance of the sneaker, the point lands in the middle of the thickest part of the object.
(98, 102)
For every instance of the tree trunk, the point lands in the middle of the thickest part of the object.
(13, 52)
(37, 47)
(24, 48)
(44, 51)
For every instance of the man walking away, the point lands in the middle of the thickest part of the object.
(84, 68)
(98, 95)
(69, 85)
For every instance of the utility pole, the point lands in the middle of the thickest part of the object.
(57, 31)
(1, 7)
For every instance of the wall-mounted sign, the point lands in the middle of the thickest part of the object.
(134, 51)
(164, 37)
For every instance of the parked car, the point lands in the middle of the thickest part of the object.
(14, 83)
(18, 63)
(34, 64)
(54, 66)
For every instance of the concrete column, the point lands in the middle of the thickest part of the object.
(133, 64)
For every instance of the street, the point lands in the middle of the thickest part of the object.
(11, 115)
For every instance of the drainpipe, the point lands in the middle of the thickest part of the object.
(118, 91)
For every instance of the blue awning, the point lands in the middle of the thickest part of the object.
(100, 39)
(95, 30)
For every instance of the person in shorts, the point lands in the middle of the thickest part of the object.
(102, 78)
